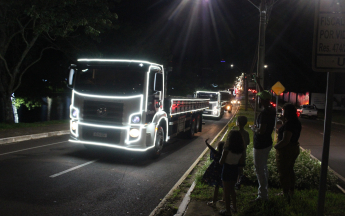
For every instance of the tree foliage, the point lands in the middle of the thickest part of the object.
(30, 27)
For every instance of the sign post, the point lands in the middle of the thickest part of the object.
(329, 36)
(328, 56)
(277, 88)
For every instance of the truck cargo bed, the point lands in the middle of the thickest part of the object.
(180, 105)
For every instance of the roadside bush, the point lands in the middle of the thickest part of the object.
(307, 170)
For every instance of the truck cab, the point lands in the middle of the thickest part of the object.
(225, 98)
(121, 104)
(116, 103)
(217, 104)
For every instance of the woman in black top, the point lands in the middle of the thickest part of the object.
(288, 149)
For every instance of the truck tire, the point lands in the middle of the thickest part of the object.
(159, 143)
(190, 133)
(198, 122)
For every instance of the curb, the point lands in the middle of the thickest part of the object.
(183, 206)
(33, 136)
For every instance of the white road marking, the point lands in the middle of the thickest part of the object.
(31, 148)
(73, 168)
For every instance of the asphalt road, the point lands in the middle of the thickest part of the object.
(312, 138)
(52, 176)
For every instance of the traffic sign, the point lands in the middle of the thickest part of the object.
(278, 88)
(329, 36)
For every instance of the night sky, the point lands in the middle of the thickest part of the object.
(201, 33)
(194, 36)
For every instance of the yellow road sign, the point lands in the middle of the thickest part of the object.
(278, 88)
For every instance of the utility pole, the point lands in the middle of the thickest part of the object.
(261, 50)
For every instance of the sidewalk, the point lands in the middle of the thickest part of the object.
(28, 133)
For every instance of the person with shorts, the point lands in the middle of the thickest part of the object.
(232, 154)
(241, 122)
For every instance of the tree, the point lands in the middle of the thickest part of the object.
(30, 27)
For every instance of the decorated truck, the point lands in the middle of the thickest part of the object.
(122, 104)
(219, 102)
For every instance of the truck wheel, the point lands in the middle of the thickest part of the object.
(159, 142)
(190, 133)
(197, 125)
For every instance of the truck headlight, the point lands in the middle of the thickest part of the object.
(134, 133)
(74, 125)
(228, 107)
(74, 112)
(215, 112)
(136, 119)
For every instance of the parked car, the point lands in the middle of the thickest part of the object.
(308, 111)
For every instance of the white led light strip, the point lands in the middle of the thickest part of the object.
(139, 112)
(111, 145)
(116, 60)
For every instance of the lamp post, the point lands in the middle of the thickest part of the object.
(265, 10)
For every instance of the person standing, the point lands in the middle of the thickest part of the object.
(288, 149)
(232, 154)
(212, 175)
(263, 143)
(241, 122)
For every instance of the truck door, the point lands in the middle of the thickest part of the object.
(155, 94)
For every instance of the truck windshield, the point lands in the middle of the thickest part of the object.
(110, 81)
(211, 96)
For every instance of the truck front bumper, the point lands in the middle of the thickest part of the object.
(110, 136)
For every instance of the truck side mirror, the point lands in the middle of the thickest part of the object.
(158, 82)
(70, 78)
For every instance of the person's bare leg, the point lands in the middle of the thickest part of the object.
(233, 194)
(215, 195)
(226, 186)
(240, 173)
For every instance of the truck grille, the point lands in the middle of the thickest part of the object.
(103, 111)
(104, 135)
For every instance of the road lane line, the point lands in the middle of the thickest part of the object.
(32, 148)
(73, 168)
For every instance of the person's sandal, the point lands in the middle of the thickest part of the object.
(211, 203)
(225, 212)
(232, 209)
